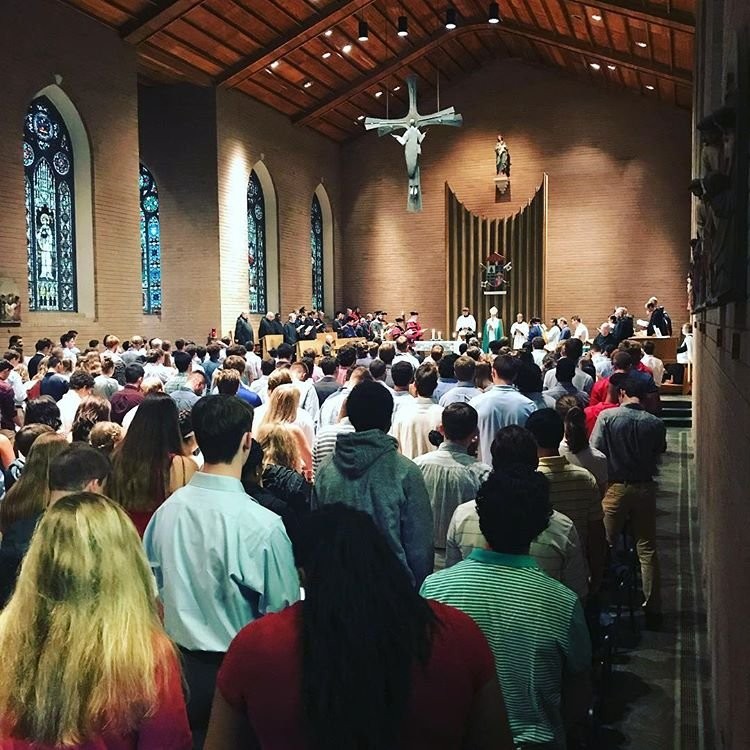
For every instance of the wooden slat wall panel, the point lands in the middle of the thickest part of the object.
(471, 239)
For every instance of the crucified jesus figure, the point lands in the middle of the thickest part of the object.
(412, 137)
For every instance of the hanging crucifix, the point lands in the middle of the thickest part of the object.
(412, 137)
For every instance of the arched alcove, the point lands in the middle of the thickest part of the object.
(83, 198)
(328, 250)
(273, 285)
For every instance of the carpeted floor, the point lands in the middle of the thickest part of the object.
(658, 697)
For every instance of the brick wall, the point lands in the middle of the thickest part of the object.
(618, 207)
(99, 76)
(721, 429)
(178, 144)
(298, 160)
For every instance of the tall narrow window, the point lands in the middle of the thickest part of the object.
(256, 245)
(150, 243)
(316, 248)
(50, 216)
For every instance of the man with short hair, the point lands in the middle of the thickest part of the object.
(182, 361)
(465, 323)
(446, 376)
(325, 439)
(414, 421)
(243, 331)
(260, 386)
(331, 409)
(605, 340)
(237, 362)
(79, 468)
(68, 343)
(81, 385)
(378, 371)
(53, 383)
(565, 373)
(43, 349)
(534, 625)
(188, 395)
(387, 353)
(601, 361)
(579, 329)
(451, 475)
(652, 362)
(367, 472)
(402, 374)
(105, 386)
(136, 353)
(346, 359)
(14, 379)
(403, 354)
(328, 384)
(633, 441)
(130, 396)
(557, 550)
(573, 490)
(464, 368)
(212, 519)
(571, 349)
(591, 413)
(500, 405)
(623, 326)
(435, 355)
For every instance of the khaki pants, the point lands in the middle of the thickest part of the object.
(637, 501)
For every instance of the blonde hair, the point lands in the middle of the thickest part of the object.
(152, 384)
(83, 648)
(227, 381)
(282, 405)
(29, 496)
(280, 447)
(278, 377)
(105, 436)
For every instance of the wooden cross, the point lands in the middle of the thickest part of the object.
(412, 137)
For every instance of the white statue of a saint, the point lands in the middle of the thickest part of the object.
(45, 243)
(411, 140)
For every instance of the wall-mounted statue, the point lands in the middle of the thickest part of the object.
(502, 158)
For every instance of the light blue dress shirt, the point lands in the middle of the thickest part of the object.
(461, 393)
(220, 561)
(500, 406)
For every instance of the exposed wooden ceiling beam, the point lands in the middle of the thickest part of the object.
(150, 25)
(162, 59)
(673, 19)
(593, 53)
(331, 15)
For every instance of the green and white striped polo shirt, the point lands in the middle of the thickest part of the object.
(534, 626)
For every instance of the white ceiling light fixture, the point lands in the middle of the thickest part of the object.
(360, 118)
(612, 67)
(308, 84)
(397, 88)
(595, 66)
(642, 45)
(403, 26)
(275, 64)
(596, 17)
(650, 87)
(378, 94)
(450, 18)
(346, 49)
(364, 31)
(326, 55)
(329, 32)
(494, 13)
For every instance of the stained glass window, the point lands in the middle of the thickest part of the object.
(150, 243)
(256, 245)
(50, 216)
(316, 247)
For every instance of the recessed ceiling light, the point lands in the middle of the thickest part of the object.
(346, 49)
(329, 32)
(612, 67)
(596, 17)
(361, 117)
(649, 87)
(397, 88)
(642, 45)
(275, 64)
(326, 55)
(378, 94)
(595, 66)
(308, 84)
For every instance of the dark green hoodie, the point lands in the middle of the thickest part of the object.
(367, 472)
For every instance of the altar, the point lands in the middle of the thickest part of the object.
(425, 346)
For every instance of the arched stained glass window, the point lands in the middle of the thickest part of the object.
(256, 245)
(150, 243)
(316, 248)
(50, 216)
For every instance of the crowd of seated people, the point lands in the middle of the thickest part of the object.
(365, 547)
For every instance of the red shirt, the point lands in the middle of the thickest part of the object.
(261, 677)
(167, 729)
(140, 519)
(123, 401)
(591, 413)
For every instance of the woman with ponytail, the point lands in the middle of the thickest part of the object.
(575, 445)
(363, 663)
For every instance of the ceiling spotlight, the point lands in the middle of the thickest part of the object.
(378, 94)
(595, 66)
(275, 64)
(450, 19)
(403, 26)
(649, 87)
(612, 67)
(326, 55)
(642, 45)
(361, 117)
(397, 88)
(308, 84)
(329, 32)
(494, 14)
(346, 49)
(596, 17)
(364, 31)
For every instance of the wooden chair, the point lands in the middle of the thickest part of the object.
(271, 342)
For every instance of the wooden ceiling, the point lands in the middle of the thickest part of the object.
(303, 57)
